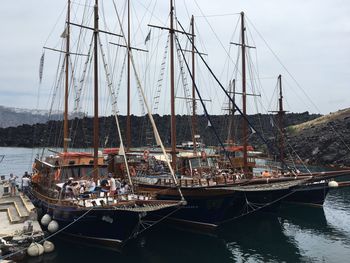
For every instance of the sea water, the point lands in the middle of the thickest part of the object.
(294, 234)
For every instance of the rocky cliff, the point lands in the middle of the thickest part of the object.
(50, 133)
(324, 140)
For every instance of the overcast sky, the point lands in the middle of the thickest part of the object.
(310, 37)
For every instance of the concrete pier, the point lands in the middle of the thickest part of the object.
(18, 223)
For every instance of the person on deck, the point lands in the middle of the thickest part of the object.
(112, 184)
(91, 186)
(266, 174)
(25, 183)
(12, 182)
(104, 184)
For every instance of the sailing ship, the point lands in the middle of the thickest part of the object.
(315, 185)
(211, 201)
(227, 193)
(67, 186)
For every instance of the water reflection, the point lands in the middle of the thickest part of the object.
(260, 238)
(296, 234)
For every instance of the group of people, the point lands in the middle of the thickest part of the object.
(24, 184)
(110, 186)
(114, 185)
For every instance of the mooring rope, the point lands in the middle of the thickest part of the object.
(50, 236)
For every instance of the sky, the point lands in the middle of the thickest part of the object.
(305, 41)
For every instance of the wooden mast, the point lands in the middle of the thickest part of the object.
(193, 92)
(66, 89)
(96, 124)
(280, 121)
(128, 118)
(244, 96)
(172, 89)
(232, 110)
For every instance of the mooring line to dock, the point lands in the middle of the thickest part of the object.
(48, 237)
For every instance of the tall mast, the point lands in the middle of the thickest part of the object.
(66, 89)
(231, 108)
(244, 96)
(193, 91)
(280, 120)
(172, 89)
(128, 118)
(96, 128)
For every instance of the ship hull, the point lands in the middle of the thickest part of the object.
(311, 194)
(100, 225)
(208, 208)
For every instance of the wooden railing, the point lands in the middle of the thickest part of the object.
(198, 182)
(80, 201)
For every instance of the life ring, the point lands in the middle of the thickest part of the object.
(146, 155)
(132, 171)
(203, 155)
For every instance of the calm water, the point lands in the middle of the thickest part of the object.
(295, 234)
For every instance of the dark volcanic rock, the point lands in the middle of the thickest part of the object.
(325, 140)
(50, 133)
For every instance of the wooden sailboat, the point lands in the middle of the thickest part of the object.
(313, 190)
(95, 215)
(209, 201)
(313, 193)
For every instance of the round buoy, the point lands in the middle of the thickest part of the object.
(53, 226)
(333, 184)
(41, 249)
(48, 246)
(35, 249)
(45, 220)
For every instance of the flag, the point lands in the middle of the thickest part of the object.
(209, 124)
(271, 122)
(41, 67)
(64, 33)
(148, 37)
(253, 131)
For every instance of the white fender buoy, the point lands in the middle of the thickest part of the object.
(53, 226)
(333, 184)
(41, 249)
(48, 246)
(45, 220)
(35, 249)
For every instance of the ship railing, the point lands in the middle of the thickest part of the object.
(106, 199)
(199, 182)
(96, 199)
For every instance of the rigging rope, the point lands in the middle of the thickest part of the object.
(161, 77)
(155, 130)
(232, 101)
(115, 112)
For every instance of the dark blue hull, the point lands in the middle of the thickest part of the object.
(207, 208)
(311, 194)
(98, 225)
